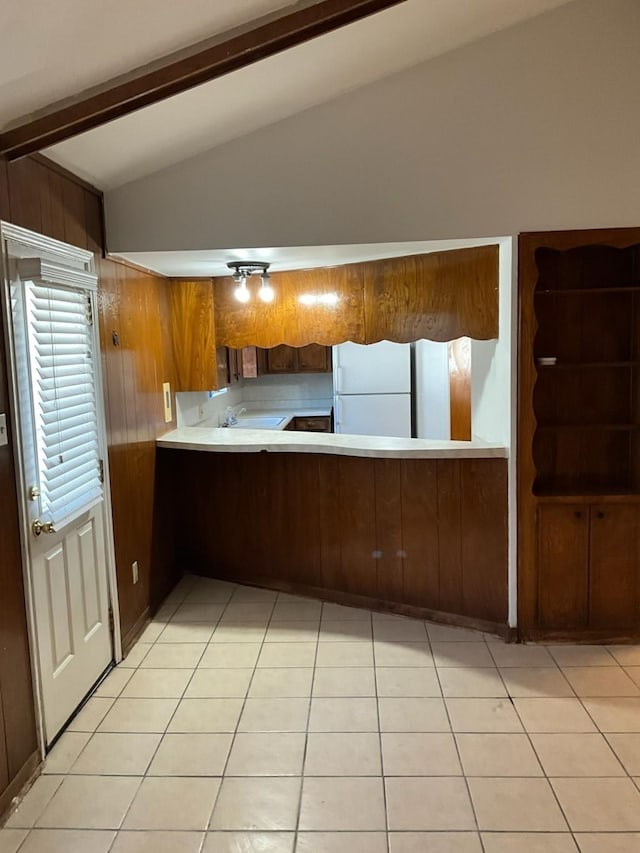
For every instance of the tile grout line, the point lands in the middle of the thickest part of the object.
(455, 741)
(306, 733)
(535, 752)
(166, 728)
(223, 776)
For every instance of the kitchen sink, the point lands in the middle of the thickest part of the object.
(258, 423)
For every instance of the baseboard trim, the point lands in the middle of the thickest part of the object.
(22, 781)
(131, 637)
(354, 600)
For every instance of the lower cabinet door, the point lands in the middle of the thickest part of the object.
(563, 566)
(614, 564)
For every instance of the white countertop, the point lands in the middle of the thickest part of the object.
(221, 440)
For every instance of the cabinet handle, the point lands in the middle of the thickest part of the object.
(600, 514)
(578, 514)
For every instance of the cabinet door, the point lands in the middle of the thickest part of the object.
(282, 359)
(314, 359)
(235, 365)
(614, 567)
(222, 359)
(563, 566)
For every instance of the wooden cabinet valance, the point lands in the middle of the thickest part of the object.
(439, 296)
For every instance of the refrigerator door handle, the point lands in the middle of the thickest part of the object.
(338, 380)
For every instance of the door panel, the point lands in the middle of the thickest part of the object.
(72, 616)
(563, 558)
(614, 567)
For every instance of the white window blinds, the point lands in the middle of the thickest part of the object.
(61, 359)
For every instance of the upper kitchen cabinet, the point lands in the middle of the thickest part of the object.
(322, 306)
(439, 296)
(283, 359)
(199, 364)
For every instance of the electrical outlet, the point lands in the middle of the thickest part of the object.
(134, 571)
(3, 430)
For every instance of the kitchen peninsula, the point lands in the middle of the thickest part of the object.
(406, 525)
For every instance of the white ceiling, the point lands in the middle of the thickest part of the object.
(214, 263)
(55, 50)
(275, 88)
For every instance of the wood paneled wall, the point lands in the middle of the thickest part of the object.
(137, 358)
(439, 296)
(402, 534)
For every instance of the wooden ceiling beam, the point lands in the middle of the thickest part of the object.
(184, 70)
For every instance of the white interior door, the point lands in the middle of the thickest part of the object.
(55, 373)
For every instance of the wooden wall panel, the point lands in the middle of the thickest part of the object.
(420, 534)
(193, 334)
(440, 296)
(450, 535)
(5, 210)
(134, 306)
(483, 485)
(388, 521)
(391, 533)
(287, 320)
(460, 389)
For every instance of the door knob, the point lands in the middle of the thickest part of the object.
(39, 527)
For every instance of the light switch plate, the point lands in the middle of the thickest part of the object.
(166, 394)
(4, 438)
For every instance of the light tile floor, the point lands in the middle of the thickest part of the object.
(246, 721)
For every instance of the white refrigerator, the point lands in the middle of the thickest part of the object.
(372, 389)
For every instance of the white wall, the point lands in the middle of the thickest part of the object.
(535, 127)
(432, 398)
(491, 366)
(307, 391)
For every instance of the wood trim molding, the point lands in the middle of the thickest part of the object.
(26, 776)
(350, 599)
(182, 71)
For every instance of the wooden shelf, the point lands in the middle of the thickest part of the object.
(609, 427)
(590, 496)
(578, 365)
(634, 288)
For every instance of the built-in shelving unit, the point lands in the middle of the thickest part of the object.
(579, 435)
(586, 404)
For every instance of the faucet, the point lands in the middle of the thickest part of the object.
(230, 417)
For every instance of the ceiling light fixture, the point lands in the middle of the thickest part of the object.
(242, 270)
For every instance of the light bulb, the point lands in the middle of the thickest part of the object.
(241, 292)
(266, 293)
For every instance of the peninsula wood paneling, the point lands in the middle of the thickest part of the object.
(287, 320)
(439, 296)
(419, 536)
